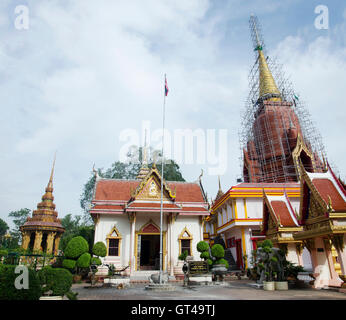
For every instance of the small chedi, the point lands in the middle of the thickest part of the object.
(42, 232)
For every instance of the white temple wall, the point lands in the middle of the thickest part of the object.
(192, 223)
(104, 227)
(254, 208)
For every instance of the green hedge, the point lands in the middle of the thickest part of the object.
(84, 260)
(76, 247)
(58, 280)
(202, 246)
(99, 249)
(7, 281)
(217, 251)
(3, 253)
(69, 264)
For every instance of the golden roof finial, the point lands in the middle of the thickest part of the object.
(267, 86)
(50, 182)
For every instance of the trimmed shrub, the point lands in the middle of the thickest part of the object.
(202, 246)
(210, 262)
(267, 243)
(3, 253)
(205, 255)
(57, 280)
(96, 261)
(7, 281)
(69, 264)
(99, 249)
(217, 251)
(222, 261)
(84, 260)
(76, 247)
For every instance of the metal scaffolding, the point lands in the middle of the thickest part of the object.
(266, 141)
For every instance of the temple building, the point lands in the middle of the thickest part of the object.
(42, 232)
(290, 195)
(127, 219)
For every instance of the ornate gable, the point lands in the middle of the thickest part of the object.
(150, 227)
(150, 188)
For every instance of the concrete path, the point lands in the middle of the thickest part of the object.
(233, 290)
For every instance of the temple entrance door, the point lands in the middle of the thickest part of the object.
(150, 252)
(239, 254)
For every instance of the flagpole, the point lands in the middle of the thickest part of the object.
(162, 167)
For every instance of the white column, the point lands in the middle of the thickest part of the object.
(132, 243)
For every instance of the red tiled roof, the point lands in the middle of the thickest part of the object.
(121, 190)
(280, 209)
(326, 188)
(186, 191)
(115, 189)
(113, 194)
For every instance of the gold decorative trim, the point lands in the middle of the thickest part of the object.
(119, 237)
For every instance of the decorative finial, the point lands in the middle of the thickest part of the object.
(50, 182)
(200, 176)
(267, 86)
(96, 174)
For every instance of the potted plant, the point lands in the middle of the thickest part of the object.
(281, 282)
(220, 265)
(266, 263)
(292, 270)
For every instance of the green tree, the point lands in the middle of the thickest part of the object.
(3, 228)
(74, 226)
(18, 217)
(128, 170)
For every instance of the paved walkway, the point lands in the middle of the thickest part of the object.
(233, 290)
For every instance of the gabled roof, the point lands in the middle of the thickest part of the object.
(245, 189)
(115, 196)
(327, 190)
(281, 211)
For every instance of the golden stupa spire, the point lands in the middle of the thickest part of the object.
(50, 182)
(48, 198)
(267, 86)
(144, 170)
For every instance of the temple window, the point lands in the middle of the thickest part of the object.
(185, 242)
(114, 242)
(113, 247)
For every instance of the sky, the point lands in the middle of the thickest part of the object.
(83, 74)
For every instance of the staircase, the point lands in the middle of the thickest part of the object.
(230, 260)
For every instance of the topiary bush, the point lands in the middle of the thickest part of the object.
(56, 280)
(69, 264)
(99, 249)
(76, 247)
(202, 246)
(217, 251)
(8, 291)
(96, 261)
(3, 253)
(84, 260)
(205, 255)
